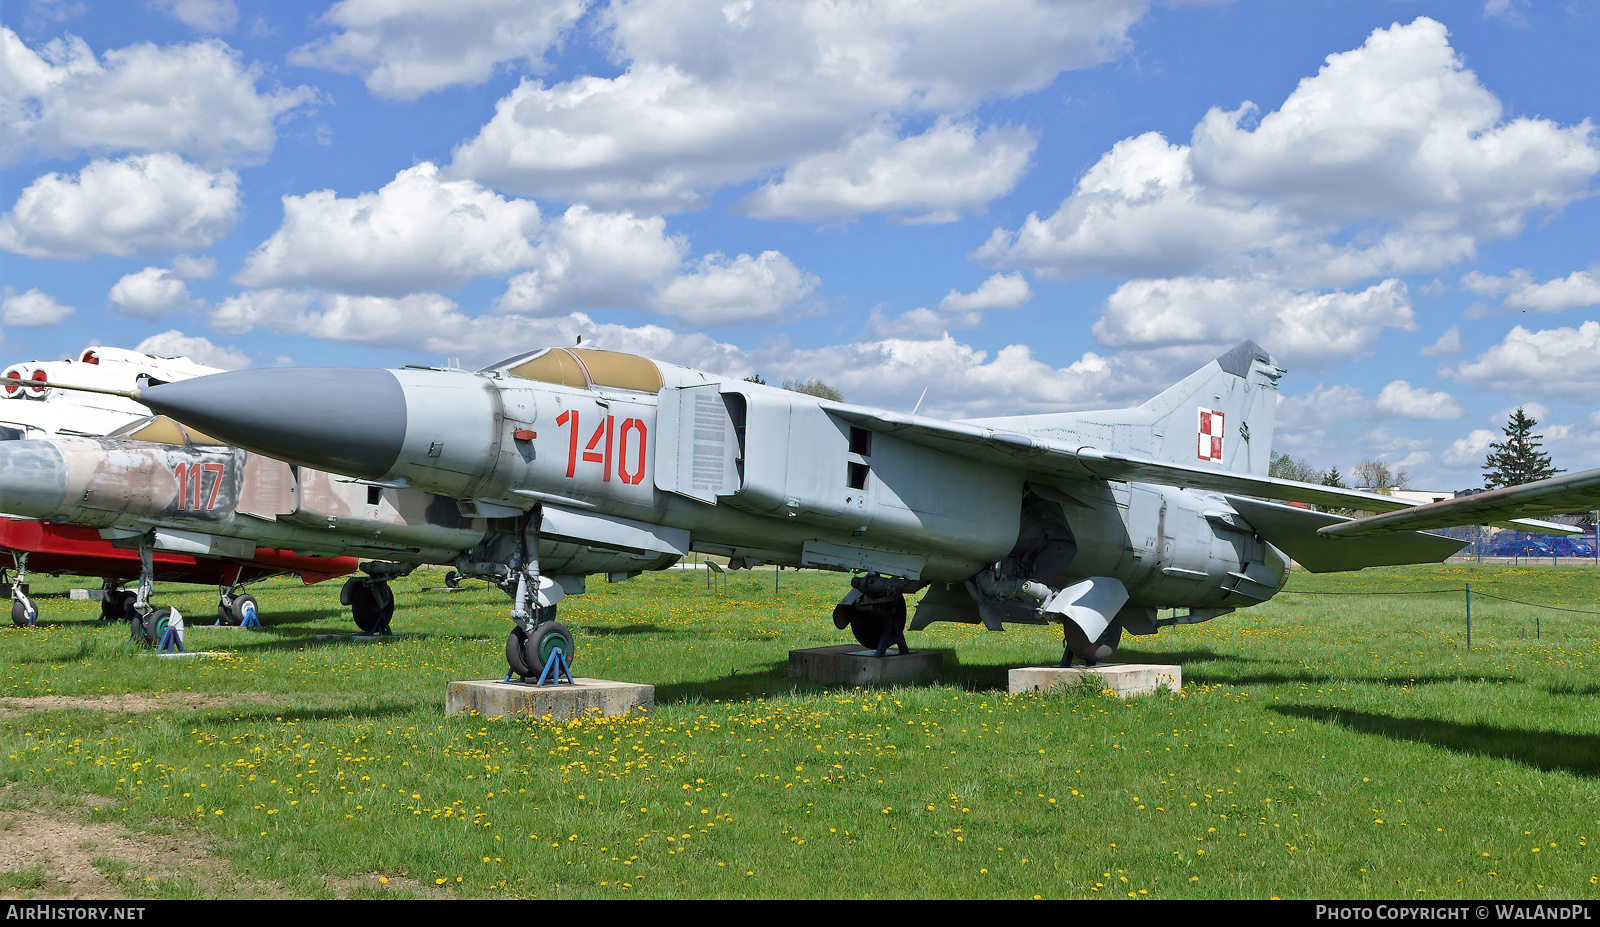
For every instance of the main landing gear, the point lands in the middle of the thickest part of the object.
(370, 599)
(236, 607)
(875, 612)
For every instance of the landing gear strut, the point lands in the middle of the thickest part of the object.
(538, 637)
(24, 614)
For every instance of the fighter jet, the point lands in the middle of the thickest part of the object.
(37, 411)
(168, 494)
(592, 461)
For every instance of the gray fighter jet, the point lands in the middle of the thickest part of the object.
(589, 461)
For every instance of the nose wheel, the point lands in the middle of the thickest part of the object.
(529, 653)
(150, 627)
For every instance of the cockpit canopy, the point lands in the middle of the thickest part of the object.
(584, 368)
(158, 429)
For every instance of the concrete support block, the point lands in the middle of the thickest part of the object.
(852, 665)
(492, 698)
(1122, 679)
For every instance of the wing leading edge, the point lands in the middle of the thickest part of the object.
(1572, 492)
(1049, 458)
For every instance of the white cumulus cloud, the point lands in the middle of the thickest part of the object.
(744, 289)
(1306, 329)
(1402, 400)
(143, 204)
(197, 100)
(713, 93)
(405, 49)
(33, 308)
(1519, 291)
(202, 15)
(150, 293)
(950, 170)
(1393, 158)
(176, 344)
(418, 232)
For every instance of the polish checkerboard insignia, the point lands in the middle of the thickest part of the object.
(1210, 435)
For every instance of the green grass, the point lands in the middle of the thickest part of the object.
(1324, 746)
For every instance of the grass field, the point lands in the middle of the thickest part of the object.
(1325, 745)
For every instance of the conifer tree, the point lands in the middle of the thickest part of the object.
(1517, 459)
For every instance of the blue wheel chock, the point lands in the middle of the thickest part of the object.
(559, 665)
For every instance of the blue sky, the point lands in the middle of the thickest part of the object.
(1016, 206)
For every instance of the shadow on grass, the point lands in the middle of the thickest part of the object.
(773, 680)
(603, 631)
(1578, 754)
(1321, 678)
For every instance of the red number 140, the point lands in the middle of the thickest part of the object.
(625, 444)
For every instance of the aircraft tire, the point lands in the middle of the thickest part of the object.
(514, 658)
(20, 613)
(541, 645)
(1103, 646)
(868, 623)
(244, 607)
(114, 607)
(148, 628)
(453, 579)
(372, 605)
(155, 625)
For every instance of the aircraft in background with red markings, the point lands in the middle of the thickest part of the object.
(30, 410)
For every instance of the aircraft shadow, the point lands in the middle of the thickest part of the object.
(1578, 754)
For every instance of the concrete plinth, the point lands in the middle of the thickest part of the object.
(1122, 679)
(585, 697)
(192, 654)
(853, 665)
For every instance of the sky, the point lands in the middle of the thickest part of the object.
(988, 207)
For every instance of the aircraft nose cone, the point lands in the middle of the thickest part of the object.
(33, 479)
(343, 419)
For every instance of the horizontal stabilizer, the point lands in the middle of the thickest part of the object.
(1295, 532)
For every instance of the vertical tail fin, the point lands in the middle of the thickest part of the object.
(1221, 416)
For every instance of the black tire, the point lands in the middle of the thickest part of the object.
(244, 607)
(541, 645)
(114, 606)
(453, 579)
(372, 605)
(514, 658)
(149, 628)
(155, 626)
(19, 613)
(869, 623)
